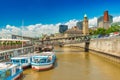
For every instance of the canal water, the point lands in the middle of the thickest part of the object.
(75, 64)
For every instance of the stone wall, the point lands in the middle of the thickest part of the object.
(106, 45)
(109, 45)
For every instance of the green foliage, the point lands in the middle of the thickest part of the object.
(0, 42)
(102, 31)
(5, 43)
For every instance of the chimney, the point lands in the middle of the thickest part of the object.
(106, 16)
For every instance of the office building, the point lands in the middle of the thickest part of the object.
(79, 24)
(63, 28)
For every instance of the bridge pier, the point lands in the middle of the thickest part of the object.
(87, 42)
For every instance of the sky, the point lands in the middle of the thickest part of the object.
(44, 15)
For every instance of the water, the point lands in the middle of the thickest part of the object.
(74, 64)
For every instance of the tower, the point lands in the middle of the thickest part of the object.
(106, 16)
(85, 25)
(105, 20)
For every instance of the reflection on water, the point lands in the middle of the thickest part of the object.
(74, 64)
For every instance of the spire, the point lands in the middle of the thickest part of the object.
(85, 15)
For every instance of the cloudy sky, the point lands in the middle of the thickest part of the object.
(44, 16)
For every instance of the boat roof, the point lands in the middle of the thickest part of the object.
(44, 54)
(40, 56)
(20, 57)
(5, 66)
(28, 55)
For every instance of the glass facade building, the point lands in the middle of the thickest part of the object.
(63, 28)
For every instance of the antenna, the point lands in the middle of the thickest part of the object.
(22, 34)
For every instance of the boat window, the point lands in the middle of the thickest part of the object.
(15, 61)
(17, 69)
(36, 60)
(26, 61)
(2, 76)
(23, 61)
(42, 60)
(48, 60)
(1, 57)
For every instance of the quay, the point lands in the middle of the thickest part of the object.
(104, 47)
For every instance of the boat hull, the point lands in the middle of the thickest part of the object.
(25, 66)
(16, 76)
(42, 67)
(19, 76)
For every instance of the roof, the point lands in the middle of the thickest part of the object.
(12, 40)
(74, 31)
(18, 58)
(25, 37)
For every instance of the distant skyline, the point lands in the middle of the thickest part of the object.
(45, 16)
(12, 12)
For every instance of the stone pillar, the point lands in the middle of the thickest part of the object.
(87, 43)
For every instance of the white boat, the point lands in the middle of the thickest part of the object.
(24, 61)
(43, 61)
(10, 71)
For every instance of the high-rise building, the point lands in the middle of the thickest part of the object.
(105, 21)
(79, 24)
(63, 28)
(85, 25)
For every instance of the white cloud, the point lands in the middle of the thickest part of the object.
(36, 30)
(116, 19)
(71, 23)
(31, 30)
(93, 22)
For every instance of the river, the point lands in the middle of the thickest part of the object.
(75, 64)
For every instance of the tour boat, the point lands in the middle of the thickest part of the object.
(43, 61)
(24, 61)
(9, 71)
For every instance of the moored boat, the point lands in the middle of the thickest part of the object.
(24, 61)
(43, 61)
(9, 71)
(47, 48)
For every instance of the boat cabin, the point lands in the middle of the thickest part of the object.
(9, 71)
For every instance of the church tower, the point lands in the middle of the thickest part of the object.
(85, 25)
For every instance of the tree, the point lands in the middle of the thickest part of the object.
(100, 31)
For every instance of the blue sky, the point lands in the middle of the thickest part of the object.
(12, 12)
